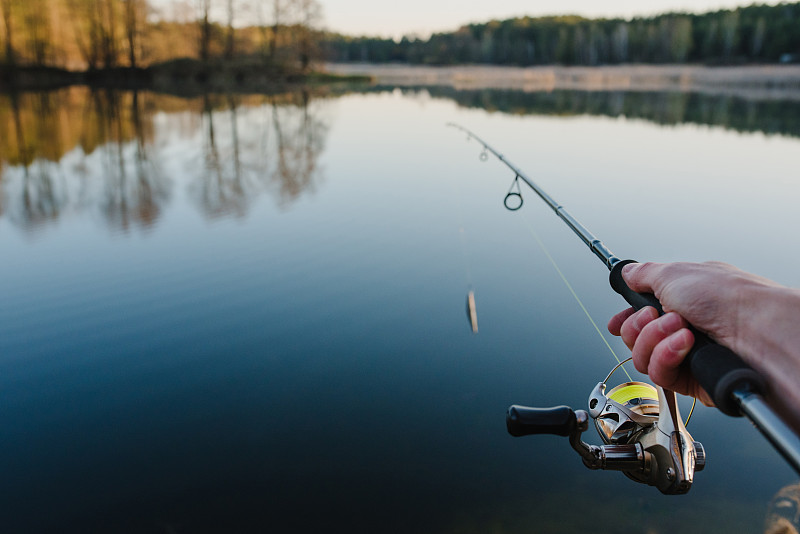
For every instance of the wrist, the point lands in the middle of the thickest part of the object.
(767, 323)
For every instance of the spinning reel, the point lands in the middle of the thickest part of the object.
(639, 424)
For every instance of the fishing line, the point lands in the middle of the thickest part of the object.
(620, 362)
(535, 235)
(471, 308)
(462, 234)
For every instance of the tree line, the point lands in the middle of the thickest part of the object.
(108, 34)
(756, 33)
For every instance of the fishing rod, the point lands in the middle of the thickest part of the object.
(640, 425)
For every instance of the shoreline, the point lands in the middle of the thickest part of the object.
(753, 81)
(183, 76)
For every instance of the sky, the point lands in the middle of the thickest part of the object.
(395, 18)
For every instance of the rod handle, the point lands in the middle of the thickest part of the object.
(524, 421)
(718, 370)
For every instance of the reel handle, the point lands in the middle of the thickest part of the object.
(718, 369)
(525, 421)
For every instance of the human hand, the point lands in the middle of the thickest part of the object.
(658, 347)
(707, 295)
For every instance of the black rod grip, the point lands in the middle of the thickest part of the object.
(524, 421)
(637, 300)
(718, 369)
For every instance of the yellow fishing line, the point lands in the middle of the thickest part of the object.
(637, 390)
(574, 294)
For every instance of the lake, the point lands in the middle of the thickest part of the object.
(246, 313)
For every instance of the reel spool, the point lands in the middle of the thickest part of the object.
(626, 411)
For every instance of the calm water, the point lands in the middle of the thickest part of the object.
(246, 314)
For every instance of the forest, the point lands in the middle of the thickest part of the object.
(270, 38)
(89, 35)
(752, 34)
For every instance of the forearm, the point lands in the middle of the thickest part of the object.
(768, 338)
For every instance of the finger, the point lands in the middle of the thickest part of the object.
(615, 324)
(665, 363)
(651, 335)
(635, 323)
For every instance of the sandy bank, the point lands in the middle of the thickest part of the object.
(762, 81)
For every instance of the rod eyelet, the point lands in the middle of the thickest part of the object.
(513, 206)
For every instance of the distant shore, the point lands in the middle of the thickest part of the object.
(757, 81)
(181, 76)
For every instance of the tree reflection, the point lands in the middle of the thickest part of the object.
(736, 112)
(222, 190)
(271, 143)
(299, 139)
(80, 151)
(40, 196)
(128, 190)
(76, 151)
(134, 187)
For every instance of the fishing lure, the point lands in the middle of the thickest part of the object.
(640, 425)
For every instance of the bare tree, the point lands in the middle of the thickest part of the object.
(87, 19)
(263, 29)
(205, 29)
(135, 12)
(277, 14)
(37, 26)
(229, 37)
(309, 15)
(5, 7)
(108, 32)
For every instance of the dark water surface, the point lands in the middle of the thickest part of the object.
(246, 313)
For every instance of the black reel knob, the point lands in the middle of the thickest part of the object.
(525, 421)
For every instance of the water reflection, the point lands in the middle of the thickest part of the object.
(728, 111)
(299, 139)
(277, 150)
(78, 150)
(135, 189)
(39, 196)
(221, 189)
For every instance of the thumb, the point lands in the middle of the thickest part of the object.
(639, 276)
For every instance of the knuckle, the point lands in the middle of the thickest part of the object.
(640, 361)
(646, 268)
(651, 333)
(628, 330)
